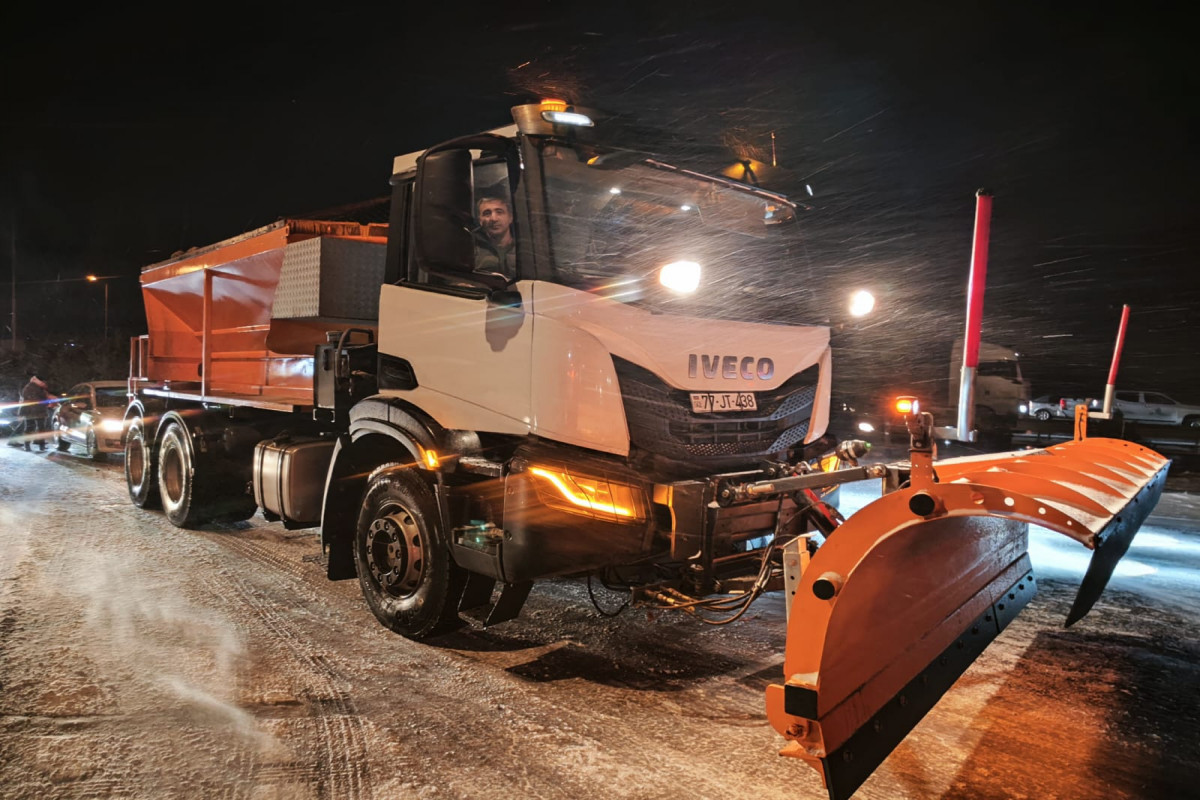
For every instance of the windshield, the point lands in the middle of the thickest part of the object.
(613, 229)
(998, 369)
(111, 396)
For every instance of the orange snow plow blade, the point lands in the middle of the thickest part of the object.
(909, 591)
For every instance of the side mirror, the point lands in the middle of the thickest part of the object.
(493, 281)
(505, 298)
(443, 215)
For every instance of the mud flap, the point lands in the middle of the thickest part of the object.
(909, 591)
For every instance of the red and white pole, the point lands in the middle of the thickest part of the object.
(979, 256)
(1110, 387)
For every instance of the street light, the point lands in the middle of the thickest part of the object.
(94, 279)
(862, 303)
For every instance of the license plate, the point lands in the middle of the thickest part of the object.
(710, 402)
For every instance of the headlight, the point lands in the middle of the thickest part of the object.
(590, 496)
(112, 426)
(1024, 408)
(862, 303)
(680, 276)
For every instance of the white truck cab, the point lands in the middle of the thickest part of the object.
(1001, 391)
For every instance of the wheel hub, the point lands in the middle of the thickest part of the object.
(133, 457)
(172, 474)
(395, 554)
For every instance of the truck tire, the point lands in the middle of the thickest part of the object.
(196, 491)
(403, 559)
(177, 478)
(141, 466)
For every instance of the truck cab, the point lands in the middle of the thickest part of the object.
(1002, 392)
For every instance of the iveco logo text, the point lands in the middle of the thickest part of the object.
(747, 367)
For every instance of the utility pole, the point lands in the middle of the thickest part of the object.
(104, 280)
(13, 243)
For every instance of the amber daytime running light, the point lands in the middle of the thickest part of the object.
(590, 496)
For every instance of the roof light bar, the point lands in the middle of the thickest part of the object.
(568, 118)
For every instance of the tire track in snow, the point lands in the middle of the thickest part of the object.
(344, 771)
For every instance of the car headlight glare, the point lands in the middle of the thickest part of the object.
(112, 426)
(680, 276)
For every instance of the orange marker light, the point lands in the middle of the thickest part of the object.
(431, 459)
(595, 497)
(554, 105)
(907, 405)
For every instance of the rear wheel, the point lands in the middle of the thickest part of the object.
(141, 474)
(404, 566)
(176, 477)
(195, 491)
(1191, 422)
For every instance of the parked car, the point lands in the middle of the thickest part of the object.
(1155, 407)
(1048, 406)
(1045, 407)
(91, 415)
(9, 421)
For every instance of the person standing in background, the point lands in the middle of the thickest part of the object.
(35, 399)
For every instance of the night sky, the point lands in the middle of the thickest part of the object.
(125, 140)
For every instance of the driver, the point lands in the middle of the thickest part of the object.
(495, 246)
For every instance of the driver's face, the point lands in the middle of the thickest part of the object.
(494, 218)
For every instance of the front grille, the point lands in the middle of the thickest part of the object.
(661, 420)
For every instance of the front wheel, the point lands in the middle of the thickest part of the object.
(60, 442)
(94, 449)
(1042, 414)
(404, 566)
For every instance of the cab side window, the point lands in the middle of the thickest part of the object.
(496, 230)
(463, 228)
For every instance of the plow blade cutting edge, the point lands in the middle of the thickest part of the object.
(909, 591)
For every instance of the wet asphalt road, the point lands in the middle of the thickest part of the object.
(140, 660)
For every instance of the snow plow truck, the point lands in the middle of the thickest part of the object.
(461, 423)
